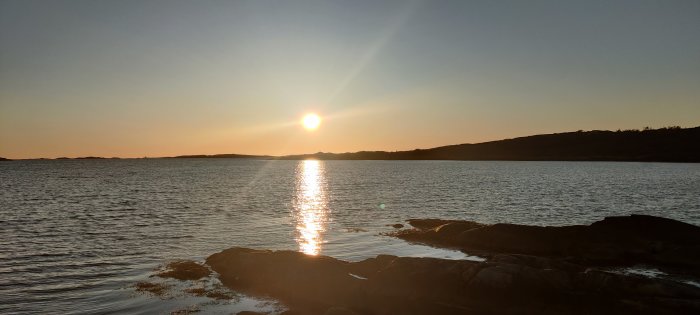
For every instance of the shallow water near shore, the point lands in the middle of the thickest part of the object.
(77, 235)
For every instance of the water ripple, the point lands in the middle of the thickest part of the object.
(75, 234)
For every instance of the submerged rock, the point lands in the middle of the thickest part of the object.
(156, 289)
(184, 270)
(355, 230)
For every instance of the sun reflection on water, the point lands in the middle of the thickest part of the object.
(311, 213)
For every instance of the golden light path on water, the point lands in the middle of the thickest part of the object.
(311, 213)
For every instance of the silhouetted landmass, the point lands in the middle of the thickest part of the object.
(222, 156)
(672, 144)
(4, 159)
(88, 158)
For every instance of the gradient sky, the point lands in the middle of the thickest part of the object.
(159, 78)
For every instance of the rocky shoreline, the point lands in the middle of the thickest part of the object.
(614, 241)
(529, 269)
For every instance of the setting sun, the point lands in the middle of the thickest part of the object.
(311, 121)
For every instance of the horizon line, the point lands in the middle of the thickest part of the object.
(243, 155)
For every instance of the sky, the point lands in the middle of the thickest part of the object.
(162, 78)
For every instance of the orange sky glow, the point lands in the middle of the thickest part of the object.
(129, 79)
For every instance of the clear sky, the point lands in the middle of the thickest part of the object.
(159, 78)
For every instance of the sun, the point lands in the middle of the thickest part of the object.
(311, 121)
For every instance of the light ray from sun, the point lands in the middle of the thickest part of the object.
(377, 45)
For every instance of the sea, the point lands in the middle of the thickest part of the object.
(77, 236)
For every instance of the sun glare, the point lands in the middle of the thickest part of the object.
(311, 121)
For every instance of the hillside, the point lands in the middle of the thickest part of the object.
(223, 156)
(661, 145)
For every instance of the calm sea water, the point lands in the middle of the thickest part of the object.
(75, 235)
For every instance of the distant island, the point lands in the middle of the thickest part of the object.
(225, 156)
(670, 144)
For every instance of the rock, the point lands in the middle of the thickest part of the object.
(614, 241)
(157, 289)
(495, 277)
(184, 270)
(397, 226)
(531, 269)
(309, 283)
(410, 285)
(339, 311)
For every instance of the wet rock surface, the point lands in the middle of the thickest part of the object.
(403, 285)
(156, 289)
(614, 241)
(541, 270)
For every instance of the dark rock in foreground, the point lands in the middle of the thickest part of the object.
(506, 284)
(614, 241)
(530, 270)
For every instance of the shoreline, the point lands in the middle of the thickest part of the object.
(575, 276)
